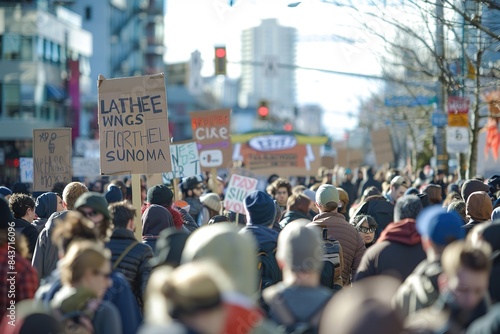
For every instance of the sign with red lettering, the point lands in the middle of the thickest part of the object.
(239, 187)
(51, 157)
(458, 111)
(211, 131)
(133, 125)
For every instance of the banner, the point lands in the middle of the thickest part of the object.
(133, 125)
(238, 188)
(185, 161)
(279, 153)
(51, 157)
(211, 131)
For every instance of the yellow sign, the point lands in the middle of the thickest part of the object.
(458, 119)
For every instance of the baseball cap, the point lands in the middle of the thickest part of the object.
(440, 226)
(327, 193)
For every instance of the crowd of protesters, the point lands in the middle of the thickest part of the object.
(346, 252)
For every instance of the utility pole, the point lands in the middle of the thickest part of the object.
(439, 131)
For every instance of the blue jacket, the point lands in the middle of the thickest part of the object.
(261, 233)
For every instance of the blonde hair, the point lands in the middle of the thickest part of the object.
(462, 254)
(80, 257)
(71, 192)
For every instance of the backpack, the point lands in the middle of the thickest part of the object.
(269, 271)
(291, 323)
(333, 263)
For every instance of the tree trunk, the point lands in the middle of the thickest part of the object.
(471, 172)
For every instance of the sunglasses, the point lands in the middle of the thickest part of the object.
(89, 213)
(363, 229)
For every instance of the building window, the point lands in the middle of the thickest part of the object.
(11, 100)
(11, 46)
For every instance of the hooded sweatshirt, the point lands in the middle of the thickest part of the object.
(397, 252)
(154, 220)
(45, 205)
(235, 253)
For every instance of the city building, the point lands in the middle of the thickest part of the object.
(267, 70)
(44, 76)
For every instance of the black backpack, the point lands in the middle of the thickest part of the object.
(333, 263)
(269, 271)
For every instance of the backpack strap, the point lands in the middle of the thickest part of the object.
(124, 253)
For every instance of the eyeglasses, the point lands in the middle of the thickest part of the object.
(89, 213)
(363, 229)
(103, 274)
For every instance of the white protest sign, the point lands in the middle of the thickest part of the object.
(185, 161)
(26, 168)
(86, 167)
(239, 187)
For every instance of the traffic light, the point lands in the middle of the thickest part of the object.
(263, 110)
(220, 60)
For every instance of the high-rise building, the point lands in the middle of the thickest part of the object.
(44, 71)
(264, 49)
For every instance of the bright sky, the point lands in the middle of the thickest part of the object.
(202, 24)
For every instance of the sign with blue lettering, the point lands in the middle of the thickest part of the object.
(26, 169)
(185, 161)
(439, 119)
(409, 101)
(133, 125)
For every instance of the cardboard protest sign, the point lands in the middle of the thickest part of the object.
(211, 131)
(133, 125)
(382, 146)
(51, 157)
(349, 157)
(285, 154)
(239, 187)
(26, 169)
(185, 161)
(85, 167)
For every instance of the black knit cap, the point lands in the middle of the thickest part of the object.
(160, 194)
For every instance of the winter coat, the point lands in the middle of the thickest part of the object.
(261, 233)
(28, 230)
(397, 252)
(382, 211)
(352, 244)
(135, 266)
(119, 294)
(39, 224)
(290, 216)
(46, 253)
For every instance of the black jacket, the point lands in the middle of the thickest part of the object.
(29, 231)
(135, 265)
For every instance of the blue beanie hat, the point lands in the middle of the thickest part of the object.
(4, 191)
(114, 194)
(260, 208)
(46, 204)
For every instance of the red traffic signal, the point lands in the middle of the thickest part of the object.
(263, 110)
(220, 60)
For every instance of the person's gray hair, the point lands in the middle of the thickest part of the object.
(408, 206)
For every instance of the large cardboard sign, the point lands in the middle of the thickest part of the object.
(133, 125)
(185, 161)
(350, 157)
(239, 187)
(382, 146)
(26, 169)
(211, 131)
(51, 157)
(283, 154)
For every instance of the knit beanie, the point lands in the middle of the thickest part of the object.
(46, 204)
(4, 191)
(5, 214)
(479, 206)
(95, 201)
(471, 186)
(260, 208)
(212, 201)
(160, 194)
(114, 194)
